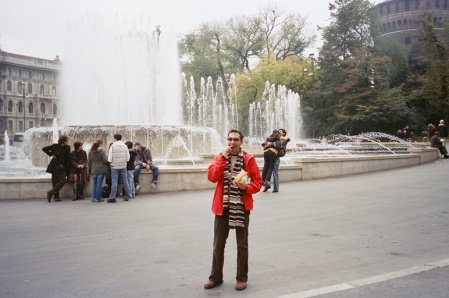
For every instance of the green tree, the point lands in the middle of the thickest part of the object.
(367, 103)
(353, 26)
(430, 78)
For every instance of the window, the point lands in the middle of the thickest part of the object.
(437, 3)
(417, 3)
(55, 109)
(30, 75)
(21, 125)
(9, 86)
(30, 124)
(41, 90)
(9, 106)
(20, 73)
(396, 5)
(43, 108)
(1, 105)
(19, 87)
(53, 90)
(446, 4)
(20, 107)
(8, 71)
(40, 76)
(388, 9)
(30, 108)
(407, 5)
(1, 85)
(10, 127)
(1, 125)
(30, 88)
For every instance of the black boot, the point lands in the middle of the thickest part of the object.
(50, 194)
(267, 186)
(75, 192)
(56, 197)
(81, 192)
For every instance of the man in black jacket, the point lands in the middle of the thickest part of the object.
(436, 143)
(59, 167)
(442, 129)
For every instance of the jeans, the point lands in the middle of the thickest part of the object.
(97, 186)
(114, 177)
(221, 232)
(268, 165)
(276, 173)
(132, 187)
(154, 168)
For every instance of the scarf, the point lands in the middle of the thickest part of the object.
(232, 195)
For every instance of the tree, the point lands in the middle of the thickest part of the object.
(284, 33)
(229, 47)
(367, 103)
(353, 26)
(244, 40)
(431, 64)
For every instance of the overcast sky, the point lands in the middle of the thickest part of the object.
(38, 27)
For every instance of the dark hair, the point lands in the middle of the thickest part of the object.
(436, 133)
(118, 136)
(129, 144)
(63, 139)
(77, 145)
(236, 131)
(96, 144)
(283, 130)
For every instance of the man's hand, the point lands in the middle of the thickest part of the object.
(240, 185)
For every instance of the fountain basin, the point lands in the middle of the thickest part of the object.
(165, 142)
(195, 178)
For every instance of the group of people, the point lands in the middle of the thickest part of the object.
(438, 136)
(123, 160)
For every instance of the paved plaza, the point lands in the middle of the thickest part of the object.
(382, 234)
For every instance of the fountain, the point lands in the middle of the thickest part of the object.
(124, 79)
(126, 82)
(7, 150)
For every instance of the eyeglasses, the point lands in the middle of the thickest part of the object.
(233, 139)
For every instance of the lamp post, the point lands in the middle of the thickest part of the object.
(23, 96)
(312, 74)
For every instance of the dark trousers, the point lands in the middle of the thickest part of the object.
(58, 179)
(221, 232)
(442, 149)
(269, 158)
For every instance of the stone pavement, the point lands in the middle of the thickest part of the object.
(382, 234)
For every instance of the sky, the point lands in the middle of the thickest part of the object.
(38, 28)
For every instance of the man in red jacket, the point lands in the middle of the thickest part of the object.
(231, 205)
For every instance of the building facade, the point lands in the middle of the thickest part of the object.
(397, 16)
(29, 92)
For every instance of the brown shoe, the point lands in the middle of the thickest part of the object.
(240, 285)
(211, 284)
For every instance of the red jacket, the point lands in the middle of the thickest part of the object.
(215, 175)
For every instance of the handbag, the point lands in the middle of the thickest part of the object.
(51, 165)
(281, 152)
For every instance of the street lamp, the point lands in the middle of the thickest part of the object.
(312, 74)
(23, 96)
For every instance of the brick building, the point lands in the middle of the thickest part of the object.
(29, 92)
(397, 16)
